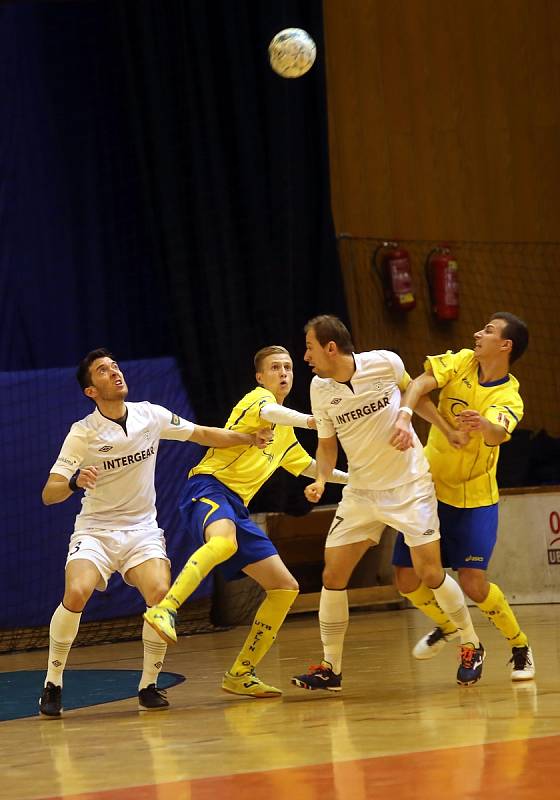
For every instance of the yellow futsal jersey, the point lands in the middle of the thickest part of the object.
(466, 478)
(245, 468)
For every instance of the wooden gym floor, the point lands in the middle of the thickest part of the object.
(401, 729)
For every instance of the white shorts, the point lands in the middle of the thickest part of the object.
(363, 514)
(116, 551)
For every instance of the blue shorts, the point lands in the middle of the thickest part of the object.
(468, 537)
(206, 500)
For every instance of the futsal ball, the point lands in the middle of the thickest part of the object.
(292, 52)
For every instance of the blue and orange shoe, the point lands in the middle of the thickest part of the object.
(319, 677)
(470, 668)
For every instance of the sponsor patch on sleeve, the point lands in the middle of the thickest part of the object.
(63, 461)
(503, 420)
(175, 419)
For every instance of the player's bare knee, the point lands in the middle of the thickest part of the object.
(156, 593)
(76, 596)
(431, 575)
(333, 580)
(406, 579)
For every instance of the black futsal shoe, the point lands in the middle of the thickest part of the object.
(152, 699)
(50, 702)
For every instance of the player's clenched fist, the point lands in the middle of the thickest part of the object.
(263, 437)
(314, 491)
(87, 478)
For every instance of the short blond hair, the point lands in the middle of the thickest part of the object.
(264, 352)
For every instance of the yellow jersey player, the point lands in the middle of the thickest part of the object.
(218, 526)
(479, 406)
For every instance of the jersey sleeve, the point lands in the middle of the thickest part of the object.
(262, 398)
(246, 414)
(73, 451)
(325, 427)
(402, 377)
(171, 425)
(295, 460)
(508, 412)
(445, 366)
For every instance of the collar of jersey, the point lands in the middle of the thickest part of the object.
(499, 382)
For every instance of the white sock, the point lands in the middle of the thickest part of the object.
(333, 623)
(154, 653)
(62, 632)
(451, 600)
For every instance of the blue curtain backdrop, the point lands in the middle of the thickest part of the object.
(164, 193)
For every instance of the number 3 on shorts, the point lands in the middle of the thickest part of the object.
(75, 550)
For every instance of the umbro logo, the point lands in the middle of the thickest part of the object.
(429, 532)
(106, 448)
(335, 401)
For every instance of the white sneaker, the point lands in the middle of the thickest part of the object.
(523, 666)
(432, 643)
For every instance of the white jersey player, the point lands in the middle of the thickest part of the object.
(111, 456)
(356, 399)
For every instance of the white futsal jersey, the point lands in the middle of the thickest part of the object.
(362, 413)
(124, 497)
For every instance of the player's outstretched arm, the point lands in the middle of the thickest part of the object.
(336, 476)
(58, 488)
(280, 415)
(417, 388)
(221, 437)
(401, 438)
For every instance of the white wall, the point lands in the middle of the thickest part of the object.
(526, 561)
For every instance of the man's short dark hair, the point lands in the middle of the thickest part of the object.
(516, 330)
(328, 328)
(83, 373)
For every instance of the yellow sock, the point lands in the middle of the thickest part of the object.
(268, 619)
(497, 609)
(216, 550)
(424, 600)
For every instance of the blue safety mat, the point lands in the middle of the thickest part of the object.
(19, 691)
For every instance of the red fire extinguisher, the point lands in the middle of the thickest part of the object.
(396, 276)
(442, 275)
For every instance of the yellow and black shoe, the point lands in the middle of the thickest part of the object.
(248, 685)
(162, 620)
